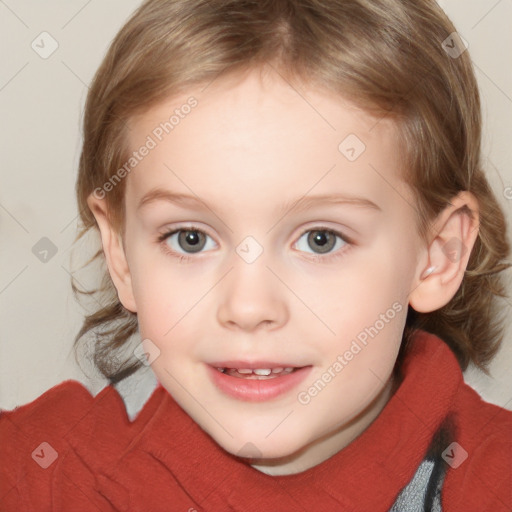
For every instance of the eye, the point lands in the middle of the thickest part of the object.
(322, 241)
(183, 242)
(189, 240)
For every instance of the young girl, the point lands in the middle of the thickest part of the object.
(301, 239)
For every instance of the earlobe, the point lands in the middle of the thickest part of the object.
(444, 262)
(114, 253)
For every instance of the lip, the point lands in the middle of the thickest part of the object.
(256, 390)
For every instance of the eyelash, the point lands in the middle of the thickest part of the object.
(161, 240)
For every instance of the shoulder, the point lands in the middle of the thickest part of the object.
(482, 421)
(480, 462)
(61, 411)
(35, 438)
(32, 439)
(52, 448)
(54, 408)
(56, 450)
(478, 423)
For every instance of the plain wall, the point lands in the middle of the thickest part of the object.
(41, 102)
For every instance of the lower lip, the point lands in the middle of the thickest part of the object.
(256, 390)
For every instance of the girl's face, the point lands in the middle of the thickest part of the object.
(293, 245)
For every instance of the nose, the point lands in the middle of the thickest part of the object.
(252, 297)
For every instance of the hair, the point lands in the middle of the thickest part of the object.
(386, 56)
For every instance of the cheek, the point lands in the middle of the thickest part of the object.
(367, 309)
(358, 294)
(163, 289)
(353, 389)
(170, 306)
(386, 268)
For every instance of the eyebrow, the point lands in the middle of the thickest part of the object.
(303, 203)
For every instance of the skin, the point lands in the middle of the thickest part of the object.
(251, 145)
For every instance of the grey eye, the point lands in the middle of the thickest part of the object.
(321, 241)
(189, 240)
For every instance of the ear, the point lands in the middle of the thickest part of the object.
(114, 253)
(443, 263)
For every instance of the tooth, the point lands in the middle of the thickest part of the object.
(288, 369)
(277, 370)
(221, 370)
(244, 370)
(262, 371)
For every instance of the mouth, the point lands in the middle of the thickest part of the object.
(256, 381)
(258, 373)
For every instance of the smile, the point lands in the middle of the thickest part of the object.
(257, 384)
(257, 373)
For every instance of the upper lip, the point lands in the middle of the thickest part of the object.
(253, 365)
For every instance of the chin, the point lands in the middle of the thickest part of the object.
(255, 448)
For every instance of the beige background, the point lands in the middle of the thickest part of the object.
(41, 102)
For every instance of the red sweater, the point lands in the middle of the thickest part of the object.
(70, 451)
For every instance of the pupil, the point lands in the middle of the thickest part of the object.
(191, 237)
(320, 239)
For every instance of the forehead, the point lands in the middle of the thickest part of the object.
(260, 133)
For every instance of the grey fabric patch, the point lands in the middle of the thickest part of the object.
(136, 389)
(412, 496)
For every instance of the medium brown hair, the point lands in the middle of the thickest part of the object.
(387, 56)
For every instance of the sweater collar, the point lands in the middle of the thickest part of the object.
(367, 474)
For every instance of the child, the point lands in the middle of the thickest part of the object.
(290, 377)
